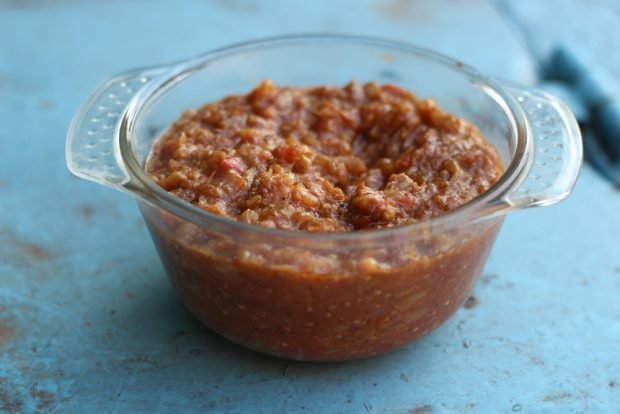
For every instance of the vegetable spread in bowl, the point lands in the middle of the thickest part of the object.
(324, 159)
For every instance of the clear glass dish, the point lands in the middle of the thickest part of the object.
(324, 297)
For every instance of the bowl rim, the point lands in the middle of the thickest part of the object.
(489, 204)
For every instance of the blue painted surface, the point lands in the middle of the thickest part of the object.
(89, 323)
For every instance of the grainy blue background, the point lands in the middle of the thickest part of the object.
(89, 323)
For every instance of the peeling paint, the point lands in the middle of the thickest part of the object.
(536, 360)
(7, 332)
(85, 212)
(563, 396)
(558, 397)
(471, 302)
(488, 279)
(11, 401)
(19, 252)
(44, 399)
(423, 409)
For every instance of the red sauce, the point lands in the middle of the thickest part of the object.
(322, 159)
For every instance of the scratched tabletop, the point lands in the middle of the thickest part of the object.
(89, 323)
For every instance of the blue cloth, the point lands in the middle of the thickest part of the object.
(576, 47)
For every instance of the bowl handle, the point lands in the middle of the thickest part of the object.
(555, 152)
(92, 150)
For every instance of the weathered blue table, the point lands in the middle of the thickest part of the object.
(89, 323)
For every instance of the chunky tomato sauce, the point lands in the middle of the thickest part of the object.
(322, 159)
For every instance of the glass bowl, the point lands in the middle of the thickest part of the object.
(324, 297)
